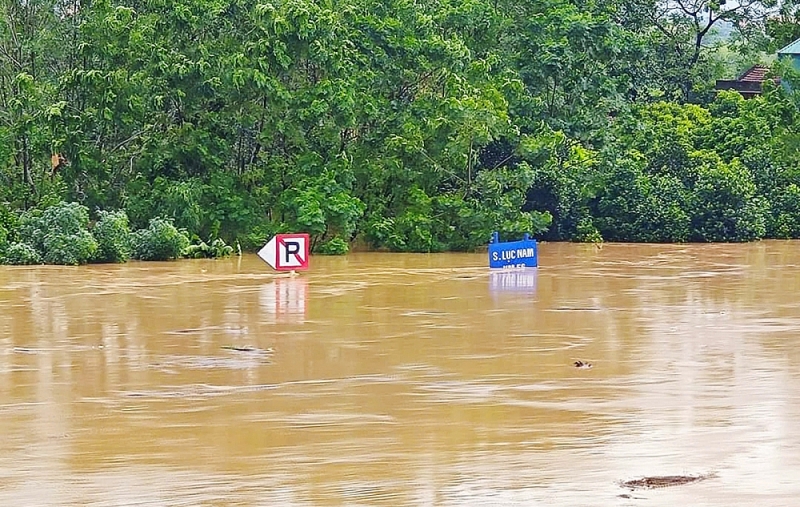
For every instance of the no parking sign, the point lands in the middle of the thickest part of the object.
(286, 252)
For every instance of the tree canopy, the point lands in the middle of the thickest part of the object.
(413, 126)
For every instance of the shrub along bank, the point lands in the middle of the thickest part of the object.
(63, 234)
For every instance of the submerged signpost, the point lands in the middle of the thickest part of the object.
(286, 297)
(512, 254)
(286, 252)
(510, 263)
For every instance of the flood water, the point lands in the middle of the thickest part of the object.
(388, 379)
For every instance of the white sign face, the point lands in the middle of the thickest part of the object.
(286, 252)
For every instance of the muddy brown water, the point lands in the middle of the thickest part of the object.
(386, 379)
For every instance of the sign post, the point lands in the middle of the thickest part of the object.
(286, 252)
(513, 254)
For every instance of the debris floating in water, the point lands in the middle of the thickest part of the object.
(582, 364)
(240, 348)
(665, 481)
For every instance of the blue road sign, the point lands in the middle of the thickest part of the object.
(512, 254)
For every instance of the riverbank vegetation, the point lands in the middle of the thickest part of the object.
(408, 126)
(61, 233)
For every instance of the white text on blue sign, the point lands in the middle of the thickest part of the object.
(512, 254)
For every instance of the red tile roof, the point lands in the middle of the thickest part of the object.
(757, 73)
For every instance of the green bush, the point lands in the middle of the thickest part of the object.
(7, 224)
(203, 250)
(451, 221)
(784, 221)
(161, 241)
(113, 235)
(320, 206)
(726, 207)
(633, 206)
(216, 205)
(20, 254)
(587, 232)
(560, 196)
(409, 231)
(334, 246)
(257, 237)
(59, 233)
(31, 228)
(499, 205)
(69, 249)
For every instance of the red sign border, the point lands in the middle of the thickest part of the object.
(280, 240)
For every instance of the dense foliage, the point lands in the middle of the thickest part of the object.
(160, 241)
(59, 234)
(113, 235)
(211, 250)
(410, 126)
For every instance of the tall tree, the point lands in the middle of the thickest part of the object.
(682, 32)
